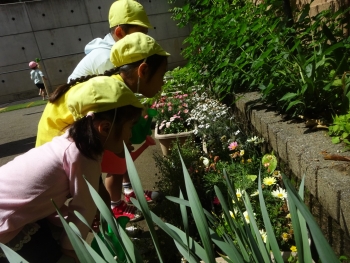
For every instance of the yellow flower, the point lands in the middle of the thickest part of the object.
(285, 236)
(241, 153)
(293, 248)
(249, 160)
(269, 181)
(288, 216)
(232, 214)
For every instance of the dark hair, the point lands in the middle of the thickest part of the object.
(85, 135)
(126, 28)
(153, 62)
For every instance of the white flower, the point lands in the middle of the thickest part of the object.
(279, 193)
(263, 235)
(239, 194)
(246, 216)
(205, 161)
(232, 214)
(255, 193)
(253, 139)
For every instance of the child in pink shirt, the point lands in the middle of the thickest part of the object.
(104, 112)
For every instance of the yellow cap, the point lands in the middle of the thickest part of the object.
(128, 12)
(99, 94)
(135, 47)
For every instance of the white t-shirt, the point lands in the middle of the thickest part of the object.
(37, 76)
(96, 60)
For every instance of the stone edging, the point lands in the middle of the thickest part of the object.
(328, 182)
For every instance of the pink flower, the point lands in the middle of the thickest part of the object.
(169, 104)
(170, 108)
(232, 146)
(185, 95)
(185, 105)
(185, 111)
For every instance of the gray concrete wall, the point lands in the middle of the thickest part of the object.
(56, 31)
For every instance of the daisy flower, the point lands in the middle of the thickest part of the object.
(269, 181)
(279, 193)
(232, 146)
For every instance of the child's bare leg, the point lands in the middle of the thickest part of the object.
(113, 183)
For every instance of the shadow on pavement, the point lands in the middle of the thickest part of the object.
(17, 147)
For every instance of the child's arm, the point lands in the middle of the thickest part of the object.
(76, 165)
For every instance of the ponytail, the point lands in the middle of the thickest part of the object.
(61, 90)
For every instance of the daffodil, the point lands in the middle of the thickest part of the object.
(246, 217)
(263, 235)
(279, 193)
(239, 194)
(255, 193)
(232, 214)
(269, 181)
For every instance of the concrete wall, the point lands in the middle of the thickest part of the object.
(56, 31)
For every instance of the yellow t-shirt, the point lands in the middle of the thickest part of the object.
(56, 118)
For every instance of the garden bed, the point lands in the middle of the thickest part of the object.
(300, 152)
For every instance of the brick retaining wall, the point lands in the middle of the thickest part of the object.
(299, 152)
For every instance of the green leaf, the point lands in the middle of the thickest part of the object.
(78, 246)
(198, 214)
(265, 255)
(105, 251)
(138, 190)
(252, 177)
(11, 255)
(131, 254)
(269, 230)
(336, 140)
(288, 96)
(324, 250)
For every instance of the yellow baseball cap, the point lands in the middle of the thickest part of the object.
(128, 12)
(99, 94)
(135, 47)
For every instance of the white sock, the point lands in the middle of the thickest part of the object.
(127, 188)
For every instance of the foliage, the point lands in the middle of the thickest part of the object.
(296, 63)
(247, 246)
(340, 130)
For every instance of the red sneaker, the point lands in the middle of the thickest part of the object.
(149, 195)
(123, 209)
